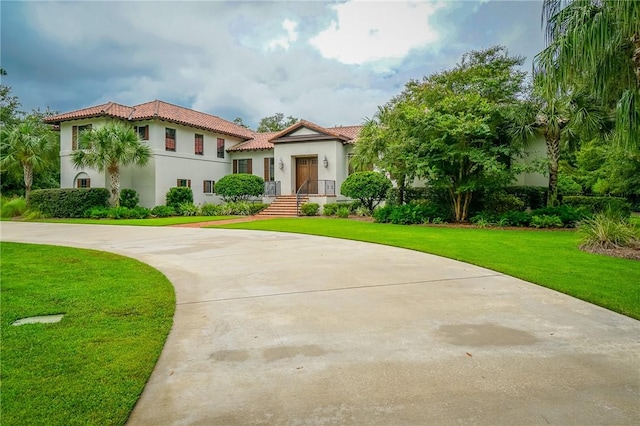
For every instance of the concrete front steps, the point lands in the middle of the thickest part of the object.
(283, 205)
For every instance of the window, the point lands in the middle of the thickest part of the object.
(143, 132)
(184, 182)
(220, 148)
(207, 186)
(199, 145)
(169, 139)
(268, 169)
(242, 166)
(83, 183)
(75, 132)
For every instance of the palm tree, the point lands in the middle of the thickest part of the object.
(595, 45)
(27, 147)
(109, 147)
(558, 119)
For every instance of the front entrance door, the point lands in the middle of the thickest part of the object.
(307, 169)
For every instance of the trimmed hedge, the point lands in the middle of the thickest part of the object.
(368, 187)
(67, 202)
(179, 195)
(129, 198)
(599, 204)
(412, 213)
(239, 187)
(309, 209)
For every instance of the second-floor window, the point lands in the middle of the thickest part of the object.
(76, 131)
(220, 148)
(169, 139)
(199, 145)
(143, 132)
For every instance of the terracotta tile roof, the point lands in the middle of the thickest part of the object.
(260, 141)
(158, 110)
(352, 132)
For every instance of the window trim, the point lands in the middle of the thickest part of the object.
(198, 142)
(249, 165)
(145, 132)
(220, 147)
(204, 187)
(167, 140)
(186, 181)
(87, 182)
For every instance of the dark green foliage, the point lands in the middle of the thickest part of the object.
(412, 213)
(343, 212)
(368, 187)
(534, 197)
(208, 209)
(187, 209)
(515, 218)
(117, 213)
(435, 195)
(129, 198)
(256, 208)
(330, 209)
(500, 202)
(599, 204)
(309, 209)
(163, 211)
(546, 221)
(68, 202)
(239, 187)
(568, 215)
(179, 195)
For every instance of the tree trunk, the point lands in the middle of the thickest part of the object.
(465, 208)
(28, 180)
(553, 152)
(114, 177)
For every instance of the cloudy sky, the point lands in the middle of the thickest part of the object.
(331, 63)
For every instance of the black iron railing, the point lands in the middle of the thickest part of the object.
(272, 188)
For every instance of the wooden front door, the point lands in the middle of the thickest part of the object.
(307, 169)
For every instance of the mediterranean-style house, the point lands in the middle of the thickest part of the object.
(195, 149)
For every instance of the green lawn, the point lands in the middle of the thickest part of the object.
(92, 366)
(156, 221)
(548, 258)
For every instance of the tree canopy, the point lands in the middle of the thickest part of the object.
(276, 122)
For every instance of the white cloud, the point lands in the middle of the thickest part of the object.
(368, 32)
(285, 41)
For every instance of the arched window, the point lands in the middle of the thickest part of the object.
(82, 180)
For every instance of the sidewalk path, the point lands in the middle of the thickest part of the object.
(284, 329)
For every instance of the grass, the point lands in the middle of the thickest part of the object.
(548, 258)
(92, 366)
(156, 221)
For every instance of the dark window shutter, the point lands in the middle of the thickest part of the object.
(146, 133)
(178, 182)
(74, 137)
(188, 183)
(249, 168)
(235, 166)
(88, 183)
(204, 186)
(266, 169)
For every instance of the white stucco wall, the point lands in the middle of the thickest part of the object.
(332, 149)
(536, 150)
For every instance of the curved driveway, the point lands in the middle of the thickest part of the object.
(274, 328)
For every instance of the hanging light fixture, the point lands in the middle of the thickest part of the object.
(325, 162)
(280, 164)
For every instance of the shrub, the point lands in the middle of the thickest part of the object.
(187, 209)
(534, 197)
(242, 208)
(484, 218)
(434, 195)
(568, 186)
(97, 213)
(412, 213)
(606, 232)
(13, 207)
(208, 209)
(516, 218)
(368, 187)
(239, 187)
(546, 221)
(330, 209)
(179, 195)
(163, 211)
(599, 204)
(343, 212)
(67, 202)
(309, 209)
(500, 202)
(129, 198)
(362, 211)
(570, 216)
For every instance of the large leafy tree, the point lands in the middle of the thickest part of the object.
(27, 148)
(108, 148)
(276, 122)
(451, 127)
(594, 45)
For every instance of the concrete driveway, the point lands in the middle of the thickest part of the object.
(274, 328)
